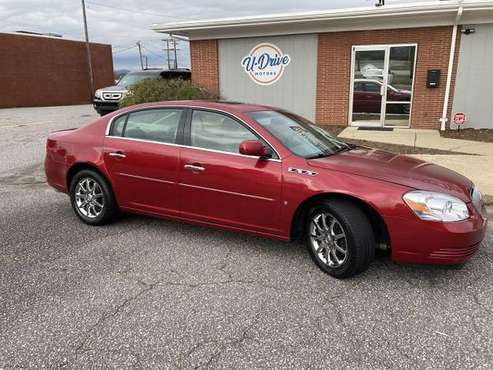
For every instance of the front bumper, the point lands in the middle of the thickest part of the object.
(102, 106)
(417, 241)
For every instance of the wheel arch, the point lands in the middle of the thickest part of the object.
(77, 167)
(377, 222)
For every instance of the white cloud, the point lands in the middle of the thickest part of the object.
(124, 22)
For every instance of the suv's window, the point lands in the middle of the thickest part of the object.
(153, 124)
(358, 86)
(218, 132)
(117, 126)
(372, 87)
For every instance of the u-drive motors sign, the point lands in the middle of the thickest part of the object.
(265, 63)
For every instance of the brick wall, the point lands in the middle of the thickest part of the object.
(205, 64)
(42, 71)
(334, 71)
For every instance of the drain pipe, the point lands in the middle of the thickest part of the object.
(443, 120)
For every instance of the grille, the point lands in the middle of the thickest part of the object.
(112, 96)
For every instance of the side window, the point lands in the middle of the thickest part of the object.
(218, 132)
(117, 126)
(372, 87)
(358, 86)
(158, 125)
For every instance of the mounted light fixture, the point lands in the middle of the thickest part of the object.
(468, 30)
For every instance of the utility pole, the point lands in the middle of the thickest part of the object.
(171, 43)
(167, 54)
(147, 63)
(176, 57)
(140, 55)
(88, 49)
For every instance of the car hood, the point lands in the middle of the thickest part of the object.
(114, 88)
(398, 169)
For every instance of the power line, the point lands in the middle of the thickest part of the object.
(124, 50)
(152, 52)
(134, 11)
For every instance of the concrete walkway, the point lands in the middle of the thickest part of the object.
(476, 166)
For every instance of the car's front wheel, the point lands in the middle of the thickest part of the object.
(92, 198)
(340, 238)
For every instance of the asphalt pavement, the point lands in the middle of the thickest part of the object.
(146, 292)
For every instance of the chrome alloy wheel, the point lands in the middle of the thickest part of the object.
(89, 197)
(328, 239)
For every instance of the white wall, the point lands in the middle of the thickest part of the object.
(296, 89)
(474, 84)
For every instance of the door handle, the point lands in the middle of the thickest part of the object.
(117, 155)
(194, 168)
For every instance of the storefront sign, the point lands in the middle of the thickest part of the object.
(265, 63)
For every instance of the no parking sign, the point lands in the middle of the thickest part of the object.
(459, 118)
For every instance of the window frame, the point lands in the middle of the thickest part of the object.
(183, 133)
(188, 133)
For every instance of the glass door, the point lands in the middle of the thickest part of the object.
(401, 62)
(368, 94)
(382, 79)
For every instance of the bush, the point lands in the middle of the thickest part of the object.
(158, 90)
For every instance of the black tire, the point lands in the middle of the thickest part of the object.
(108, 212)
(358, 241)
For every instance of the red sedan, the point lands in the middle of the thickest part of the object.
(267, 172)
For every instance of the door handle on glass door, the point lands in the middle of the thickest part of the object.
(194, 168)
(117, 155)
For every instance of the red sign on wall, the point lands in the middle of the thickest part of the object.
(459, 118)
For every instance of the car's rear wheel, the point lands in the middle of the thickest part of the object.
(340, 238)
(92, 198)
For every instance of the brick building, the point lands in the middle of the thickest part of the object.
(43, 71)
(407, 65)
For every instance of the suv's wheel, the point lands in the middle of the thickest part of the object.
(340, 238)
(92, 198)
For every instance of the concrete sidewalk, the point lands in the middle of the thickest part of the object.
(476, 166)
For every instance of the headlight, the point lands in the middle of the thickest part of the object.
(431, 206)
(97, 94)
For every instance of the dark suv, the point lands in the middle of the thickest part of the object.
(106, 100)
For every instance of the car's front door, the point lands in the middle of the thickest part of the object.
(221, 186)
(142, 158)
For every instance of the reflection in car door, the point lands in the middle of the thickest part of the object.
(142, 159)
(218, 185)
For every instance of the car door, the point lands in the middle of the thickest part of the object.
(142, 158)
(221, 186)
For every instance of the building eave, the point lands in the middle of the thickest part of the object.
(423, 14)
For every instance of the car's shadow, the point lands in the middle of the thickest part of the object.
(381, 268)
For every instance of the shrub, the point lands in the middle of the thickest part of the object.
(158, 90)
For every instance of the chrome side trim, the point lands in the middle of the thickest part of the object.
(227, 192)
(144, 178)
(108, 127)
(190, 147)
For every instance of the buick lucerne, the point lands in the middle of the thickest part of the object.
(267, 172)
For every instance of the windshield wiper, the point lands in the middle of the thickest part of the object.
(346, 147)
(319, 155)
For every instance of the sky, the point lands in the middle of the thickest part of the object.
(122, 23)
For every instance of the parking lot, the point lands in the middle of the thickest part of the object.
(146, 292)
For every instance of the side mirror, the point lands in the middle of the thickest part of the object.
(254, 148)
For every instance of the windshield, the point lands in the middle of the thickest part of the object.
(298, 134)
(132, 78)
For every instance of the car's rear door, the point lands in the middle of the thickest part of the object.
(142, 158)
(221, 186)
